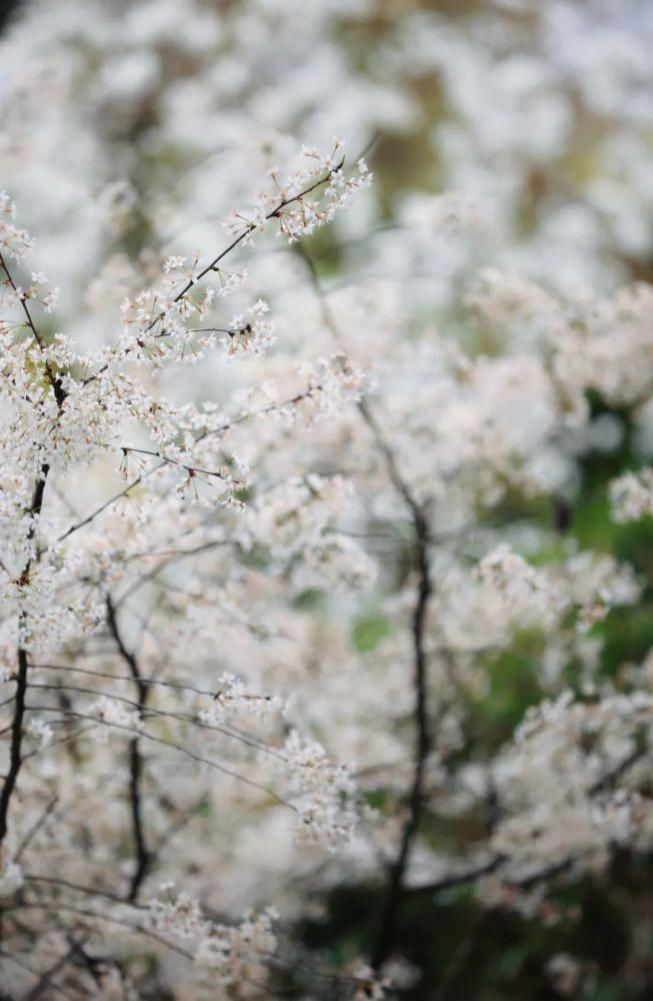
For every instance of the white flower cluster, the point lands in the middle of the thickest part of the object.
(176, 914)
(234, 700)
(557, 783)
(40, 730)
(238, 955)
(289, 203)
(251, 334)
(235, 955)
(505, 595)
(115, 713)
(14, 242)
(607, 345)
(370, 986)
(631, 496)
(565, 973)
(297, 523)
(528, 595)
(323, 794)
(35, 292)
(598, 583)
(333, 384)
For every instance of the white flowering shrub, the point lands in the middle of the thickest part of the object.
(326, 665)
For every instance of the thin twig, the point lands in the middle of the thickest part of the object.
(36, 827)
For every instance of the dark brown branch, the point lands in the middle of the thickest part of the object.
(526, 882)
(423, 743)
(15, 759)
(30, 322)
(457, 879)
(143, 856)
(531, 879)
(89, 891)
(191, 470)
(423, 739)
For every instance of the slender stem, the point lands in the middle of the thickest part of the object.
(35, 828)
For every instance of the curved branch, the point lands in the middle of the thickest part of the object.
(143, 855)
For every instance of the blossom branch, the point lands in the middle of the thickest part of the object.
(55, 382)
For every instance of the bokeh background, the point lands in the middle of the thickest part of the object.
(128, 125)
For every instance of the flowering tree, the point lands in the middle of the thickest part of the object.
(320, 607)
